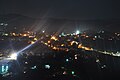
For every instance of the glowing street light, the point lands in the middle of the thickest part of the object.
(13, 56)
(73, 72)
(77, 32)
(47, 66)
(43, 31)
(67, 60)
(54, 38)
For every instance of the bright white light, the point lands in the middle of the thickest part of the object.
(47, 66)
(43, 31)
(77, 32)
(13, 56)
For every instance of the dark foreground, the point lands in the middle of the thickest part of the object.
(58, 65)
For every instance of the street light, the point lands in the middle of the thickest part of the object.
(13, 56)
(77, 32)
(43, 31)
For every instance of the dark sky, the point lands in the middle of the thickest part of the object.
(70, 9)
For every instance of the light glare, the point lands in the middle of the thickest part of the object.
(13, 56)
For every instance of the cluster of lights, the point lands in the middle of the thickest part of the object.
(26, 34)
(85, 48)
(65, 49)
(32, 42)
(54, 38)
(110, 53)
(74, 42)
(79, 45)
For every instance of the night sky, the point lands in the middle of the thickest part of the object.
(69, 9)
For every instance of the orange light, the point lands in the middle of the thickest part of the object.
(13, 34)
(35, 39)
(49, 42)
(62, 44)
(54, 48)
(86, 48)
(54, 38)
(73, 42)
(32, 42)
(87, 36)
(80, 46)
(46, 43)
(24, 34)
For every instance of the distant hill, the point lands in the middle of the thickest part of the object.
(16, 20)
(55, 24)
